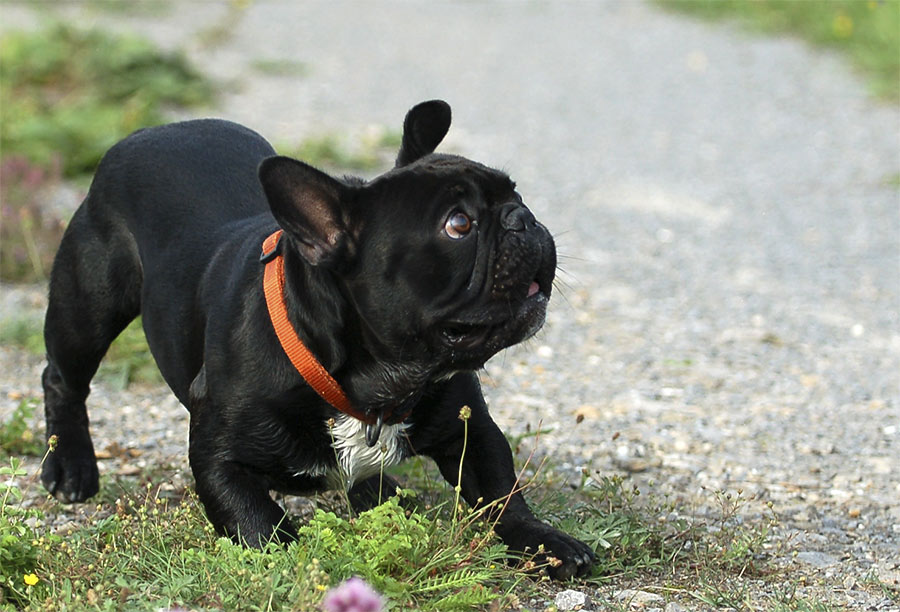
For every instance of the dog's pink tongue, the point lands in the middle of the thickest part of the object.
(533, 288)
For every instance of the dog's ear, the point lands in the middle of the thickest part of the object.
(307, 203)
(425, 126)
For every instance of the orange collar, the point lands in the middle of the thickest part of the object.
(306, 363)
(313, 372)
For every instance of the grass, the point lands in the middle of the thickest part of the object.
(127, 361)
(867, 31)
(149, 547)
(67, 96)
(280, 67)
(70, 94)
(149, 553)
(29, 229)
(18, 432)
(377, 149)
(24, 332)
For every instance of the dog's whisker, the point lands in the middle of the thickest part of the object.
(559, 283)
(565, 298)
(563, 257)
(575, 281)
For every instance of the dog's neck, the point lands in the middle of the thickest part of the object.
(373, 379)
(319, 322)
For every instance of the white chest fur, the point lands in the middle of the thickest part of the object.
(356, 460)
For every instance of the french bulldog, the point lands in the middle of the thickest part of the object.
(398, 289)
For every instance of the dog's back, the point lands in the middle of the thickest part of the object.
(183, 179)
(160, 203)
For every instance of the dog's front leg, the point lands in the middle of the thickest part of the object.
(478, 450)
(235, 497)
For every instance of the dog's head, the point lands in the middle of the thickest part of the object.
(443, 263)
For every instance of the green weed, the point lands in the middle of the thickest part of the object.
(785, 599)
(378, 147)
(71, 94)
(17, 433)
(68, 95)
(19, 553)
(29, 230)
(127, 361)
(23, 331)
(148, 546)
(149, 552)
(281, 67)
(868, 31)
(891, 591)
(422, 559)
(732, 543)
(604, 514)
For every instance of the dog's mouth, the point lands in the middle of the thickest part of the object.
(508, 324)
(465, 335)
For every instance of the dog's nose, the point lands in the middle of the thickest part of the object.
(516, 218)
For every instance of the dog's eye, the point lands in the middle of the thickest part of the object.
(458, 225)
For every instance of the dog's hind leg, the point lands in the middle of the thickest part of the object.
(95, 288)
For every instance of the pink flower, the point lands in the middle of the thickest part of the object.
(353, 595)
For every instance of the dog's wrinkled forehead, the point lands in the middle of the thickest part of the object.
(449, 171)
(404, 247)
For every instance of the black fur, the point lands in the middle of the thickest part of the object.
(397, 308)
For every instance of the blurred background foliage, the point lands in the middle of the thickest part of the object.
(71, 93)
(868, 31)
(67, 95)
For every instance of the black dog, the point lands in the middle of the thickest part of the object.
(401, 287)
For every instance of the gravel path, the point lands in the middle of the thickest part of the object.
(728, 315)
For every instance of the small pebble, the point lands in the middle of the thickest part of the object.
(572, 600)
(637, 598)
(816, 558)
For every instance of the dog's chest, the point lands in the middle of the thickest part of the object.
(356, 460)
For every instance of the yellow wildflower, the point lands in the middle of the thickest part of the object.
(843, 26)
(31, 579)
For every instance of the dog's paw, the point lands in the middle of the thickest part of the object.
(70, 471)
(259, 527)
(259, 536)
(559, 554)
